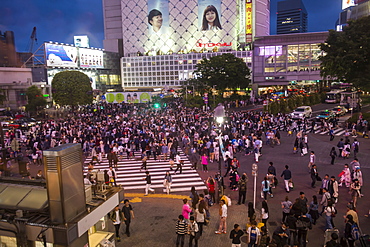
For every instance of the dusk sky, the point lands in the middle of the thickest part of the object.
(59, 21)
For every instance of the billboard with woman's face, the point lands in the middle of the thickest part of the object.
(209, 15)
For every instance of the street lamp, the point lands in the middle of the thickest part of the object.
(254, 174)
(219, 116)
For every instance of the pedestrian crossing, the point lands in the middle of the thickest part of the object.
(338, 131)
(130, 177)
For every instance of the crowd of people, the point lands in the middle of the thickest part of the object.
(125, 131)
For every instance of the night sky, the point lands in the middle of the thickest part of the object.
(59, 21)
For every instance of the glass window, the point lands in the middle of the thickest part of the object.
(292, 53)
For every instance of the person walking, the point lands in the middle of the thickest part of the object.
(355, 147)
(312, 160)
(211, 188)
(186, 209)
(314, 175)
(264, 212)
(333, 154)
(253, 234)
(179, 163)
(193, 231)
(286, 205)
(242, 187)
(223, 216)
(205, 162)
(355, 191)
(117, 217)
(112, 176)
(281, 235)
(287, 175)
(181, 230)
(128, 214)
(349, 231)
(265, 187)
(148, 185)
(167, 182)
(340, 146)
(235, 235)
(200, 217)
(314, 209)
(331, 133)
(330, 212)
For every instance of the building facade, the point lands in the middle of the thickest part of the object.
(291, 17)
(287, 59)
(164, 54)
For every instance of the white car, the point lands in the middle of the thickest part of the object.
(301, 112)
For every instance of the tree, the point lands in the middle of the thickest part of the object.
(224, 71)
(71, 88)
(347, 55)
(35, 99)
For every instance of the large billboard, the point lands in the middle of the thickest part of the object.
(156, 27)
(90, 58)
(60, 55)
(128, 97)
(347, 3)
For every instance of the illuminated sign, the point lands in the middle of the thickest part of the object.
(249, 16)
(90, 58)
(60, 55)
(209, 15)
(81, 41)
(128, 97)
(201, 44)
(242, 23)
(347, 3)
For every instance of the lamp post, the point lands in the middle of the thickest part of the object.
(219, 116)
(254, 174)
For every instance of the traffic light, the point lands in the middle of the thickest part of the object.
(156, 105)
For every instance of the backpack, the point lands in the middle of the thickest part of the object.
(243, 185)
(355, 232)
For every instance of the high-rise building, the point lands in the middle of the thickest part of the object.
(8, 55)
(291, 17)
(163, 40)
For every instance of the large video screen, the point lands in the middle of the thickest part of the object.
(61, 55)
(173, 26)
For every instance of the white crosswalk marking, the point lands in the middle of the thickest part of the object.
(317, 130)
(131, 178)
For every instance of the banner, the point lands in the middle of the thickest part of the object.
(128, 97)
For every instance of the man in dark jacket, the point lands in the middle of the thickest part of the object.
(287, 175)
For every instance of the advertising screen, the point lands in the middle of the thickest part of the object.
(158, 17)
(128, 97)
(91, 58)
(60, 55)
(81, 41)
(209, 17)
(347, 3)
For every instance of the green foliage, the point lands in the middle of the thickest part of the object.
(35, 98)
(72, 88)
(224, 71)
(347, 54)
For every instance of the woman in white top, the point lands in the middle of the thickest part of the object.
(264, 212)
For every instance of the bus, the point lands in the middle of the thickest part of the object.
(333, 96)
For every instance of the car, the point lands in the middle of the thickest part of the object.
(340, 110)
(301, 112)
(18, 124)
(326, 115)
(4, 121)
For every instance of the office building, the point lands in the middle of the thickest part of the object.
(291, 17)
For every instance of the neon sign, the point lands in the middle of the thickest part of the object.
(201, 44)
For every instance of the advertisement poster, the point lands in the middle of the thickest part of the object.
(347, 3)
(60, 55)
(128, 97)
(91, 58)
(209, 15)
(158, 17)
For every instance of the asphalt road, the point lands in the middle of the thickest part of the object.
(154, 224)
